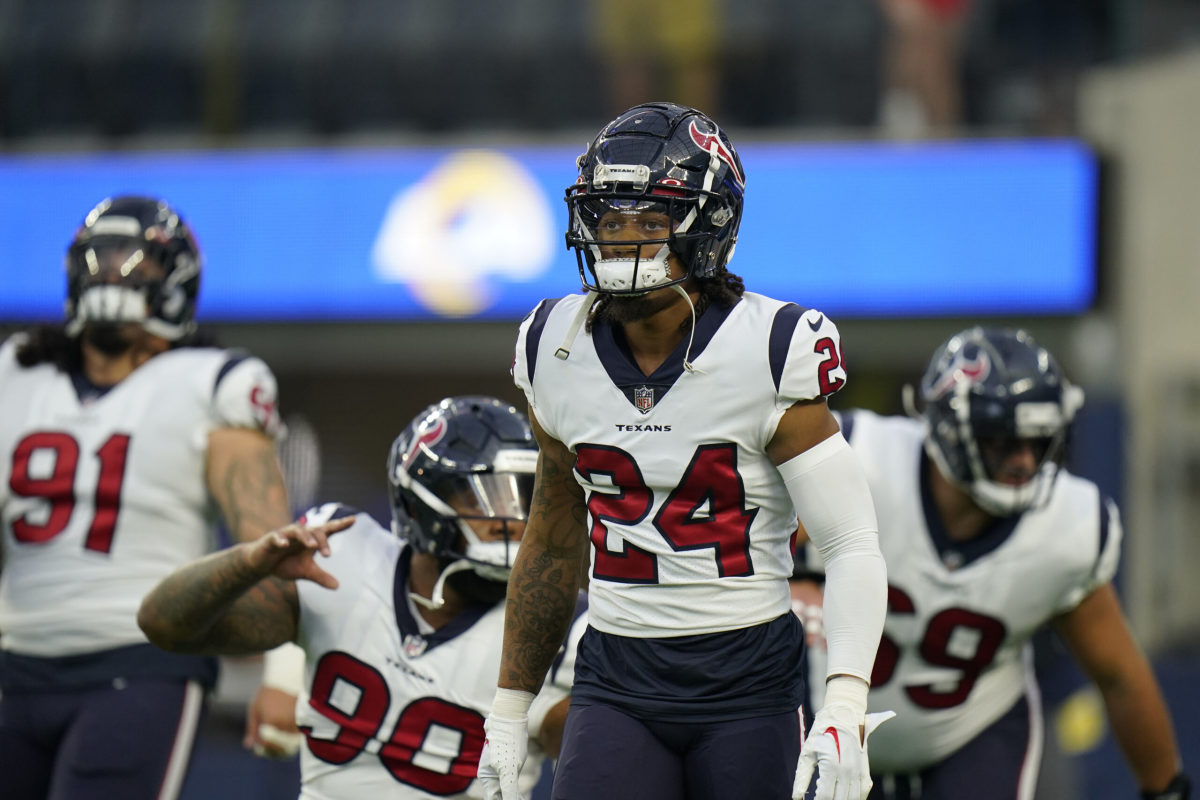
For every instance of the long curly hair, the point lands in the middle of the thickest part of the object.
(50, 344)
(723, 288)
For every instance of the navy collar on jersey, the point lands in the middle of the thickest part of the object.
(613, 350)
(956, 555)
(85, 390)
(404, 618)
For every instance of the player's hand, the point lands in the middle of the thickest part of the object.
(834, 750)
(288, 552)
(271, 730)
(506, 743)
(504, 752)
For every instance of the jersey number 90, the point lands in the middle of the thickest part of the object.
(354, 696)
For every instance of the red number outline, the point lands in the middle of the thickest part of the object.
(834, 358)
(711, 479)
(358, 727)
(59, 488)
(934, 649)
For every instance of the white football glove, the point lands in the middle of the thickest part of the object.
(505, 746)
(833, 750)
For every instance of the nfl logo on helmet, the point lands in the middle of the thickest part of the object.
(643, 398)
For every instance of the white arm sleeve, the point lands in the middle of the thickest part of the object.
(832, 500)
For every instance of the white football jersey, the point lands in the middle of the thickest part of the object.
(103, 496)
(953, 655)
(691, 524)
(395, 709)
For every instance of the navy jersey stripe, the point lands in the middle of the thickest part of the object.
(235, 357)
(1104, 531)
(847, 425)
(782, 327)
(534, 337)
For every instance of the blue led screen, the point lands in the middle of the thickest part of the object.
(857, 230)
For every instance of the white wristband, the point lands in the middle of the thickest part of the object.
(511, 704)
(847, 691)
(283, 668)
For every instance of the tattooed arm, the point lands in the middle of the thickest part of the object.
(239, 600)
(545, 580)
(244, 478)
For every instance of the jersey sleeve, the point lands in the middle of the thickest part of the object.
(326, 513)
(1108, 556)
(807, 365)
(529, 340)
(562, 672)
(245, 395)
(522, 375)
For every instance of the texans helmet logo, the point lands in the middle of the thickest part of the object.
(711, 143)
(960, 368)
(428, 436)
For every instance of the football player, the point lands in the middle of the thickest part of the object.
(683, 425)
(402, 632)
(987, 538)
(118, 434)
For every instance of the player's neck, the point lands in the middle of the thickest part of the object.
(423, 574)
(961, 517)
(109, 370)
(652, 340)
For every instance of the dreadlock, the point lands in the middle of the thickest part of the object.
(49, 344)
(723, 289)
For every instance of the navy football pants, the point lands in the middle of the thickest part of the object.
(994, 765)
(608, 754)
(131, 741)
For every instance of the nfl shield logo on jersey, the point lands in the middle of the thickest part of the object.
(414, 645)
(643, 398)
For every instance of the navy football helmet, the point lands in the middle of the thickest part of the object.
(463, 459)
(134, 259)
(657, 157)
(985, 392)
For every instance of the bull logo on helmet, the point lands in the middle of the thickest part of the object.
(711, 143)
(428, 435)
(961, 368)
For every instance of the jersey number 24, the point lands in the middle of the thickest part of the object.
(707, 510)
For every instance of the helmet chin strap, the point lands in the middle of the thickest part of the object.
(438, 599)
(564, 349)
(687, 364)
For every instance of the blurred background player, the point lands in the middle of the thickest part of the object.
(986, 539)
(688, 428)
(117, 434)
(402, 632)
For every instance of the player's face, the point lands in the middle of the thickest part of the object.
(487, 529)
(1010, 461)
(128, 265)
(121, 265)
(619, 232)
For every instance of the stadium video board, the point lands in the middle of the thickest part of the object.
(859, 230)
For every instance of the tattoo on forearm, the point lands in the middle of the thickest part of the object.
(252, 495)
(219, 605)
(544, 584)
